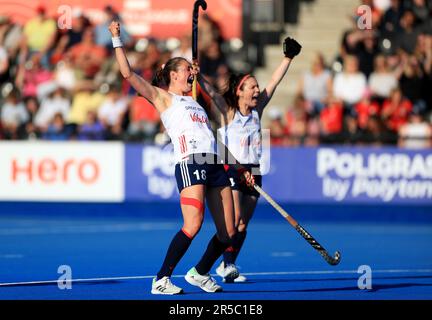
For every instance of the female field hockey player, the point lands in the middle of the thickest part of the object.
(240, 119)
(200, 176)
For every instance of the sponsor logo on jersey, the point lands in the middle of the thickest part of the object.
(197, 118)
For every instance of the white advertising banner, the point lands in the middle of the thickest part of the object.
(55, 171)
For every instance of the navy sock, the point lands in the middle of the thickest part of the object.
(176, 250)
(232, 252)
(214, 250)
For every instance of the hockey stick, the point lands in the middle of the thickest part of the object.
(203, 5)
(306, 235)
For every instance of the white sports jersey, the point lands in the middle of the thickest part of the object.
(188, 126)
(242, 136)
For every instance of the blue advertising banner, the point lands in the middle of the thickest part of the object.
(149, 173)
(298, 175)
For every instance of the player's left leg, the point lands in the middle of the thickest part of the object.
(247, 208)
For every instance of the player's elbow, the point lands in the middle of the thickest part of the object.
(126, 74)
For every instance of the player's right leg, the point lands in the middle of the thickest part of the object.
(192, 205)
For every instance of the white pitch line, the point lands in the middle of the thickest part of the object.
(107, 228)
(246, 274)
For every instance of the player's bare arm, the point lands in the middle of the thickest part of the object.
(291, 48)
(158, 97)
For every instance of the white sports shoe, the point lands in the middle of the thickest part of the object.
(240, 278)
(165, 286)
(205, 282)
(229, 275)
(220, 269)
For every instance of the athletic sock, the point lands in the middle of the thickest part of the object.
(231, 253)
(176, 250)
(214, 250)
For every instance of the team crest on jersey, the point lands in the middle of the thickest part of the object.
(193, 143)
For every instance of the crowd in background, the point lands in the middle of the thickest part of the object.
(378, 91)
(64, 84)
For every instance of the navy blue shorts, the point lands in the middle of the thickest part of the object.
(237, 184)
(193, 172)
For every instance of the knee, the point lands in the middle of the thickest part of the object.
(193, 226)
(242, 227)
(229, 236)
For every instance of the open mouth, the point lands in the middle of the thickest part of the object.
(190, 79)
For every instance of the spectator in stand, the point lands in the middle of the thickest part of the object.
(279, 134)
(350, 84)
(315, 85)
(185, 49)
(85, 99)
(407, 38)
(65, 75)
(365, 109)
(382, 81)
(150, 61)
(40, 34)
(423, 53)
(29, 130)
(363, 45)
(416, 133)
(56, 102)
(13, 115)
(57, 130)
(87, 56)
(395, 110)
(421, 10)
(4, 65)
(389, 25)
(112, 112)
(31, 77)
(375, 133)
(296, 121)
(103, 36)
(10, 36)
(144, 120)
(143, 63)
(381, 6)
(331, 121)
(209, 31)
(79, 24)
(213, 63)
(92, 129)
(412, 81)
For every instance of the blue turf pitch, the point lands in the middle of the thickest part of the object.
(115, 257)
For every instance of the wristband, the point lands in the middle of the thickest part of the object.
(116, 42)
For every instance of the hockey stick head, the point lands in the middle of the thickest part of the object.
(199, 3)
(334, 260)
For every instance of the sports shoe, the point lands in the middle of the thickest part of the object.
(240, 278)
(230, 273)
(165, 286)
(220, 270)
(205, 282)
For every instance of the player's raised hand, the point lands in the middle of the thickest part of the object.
(291, 47)
(114, 28)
